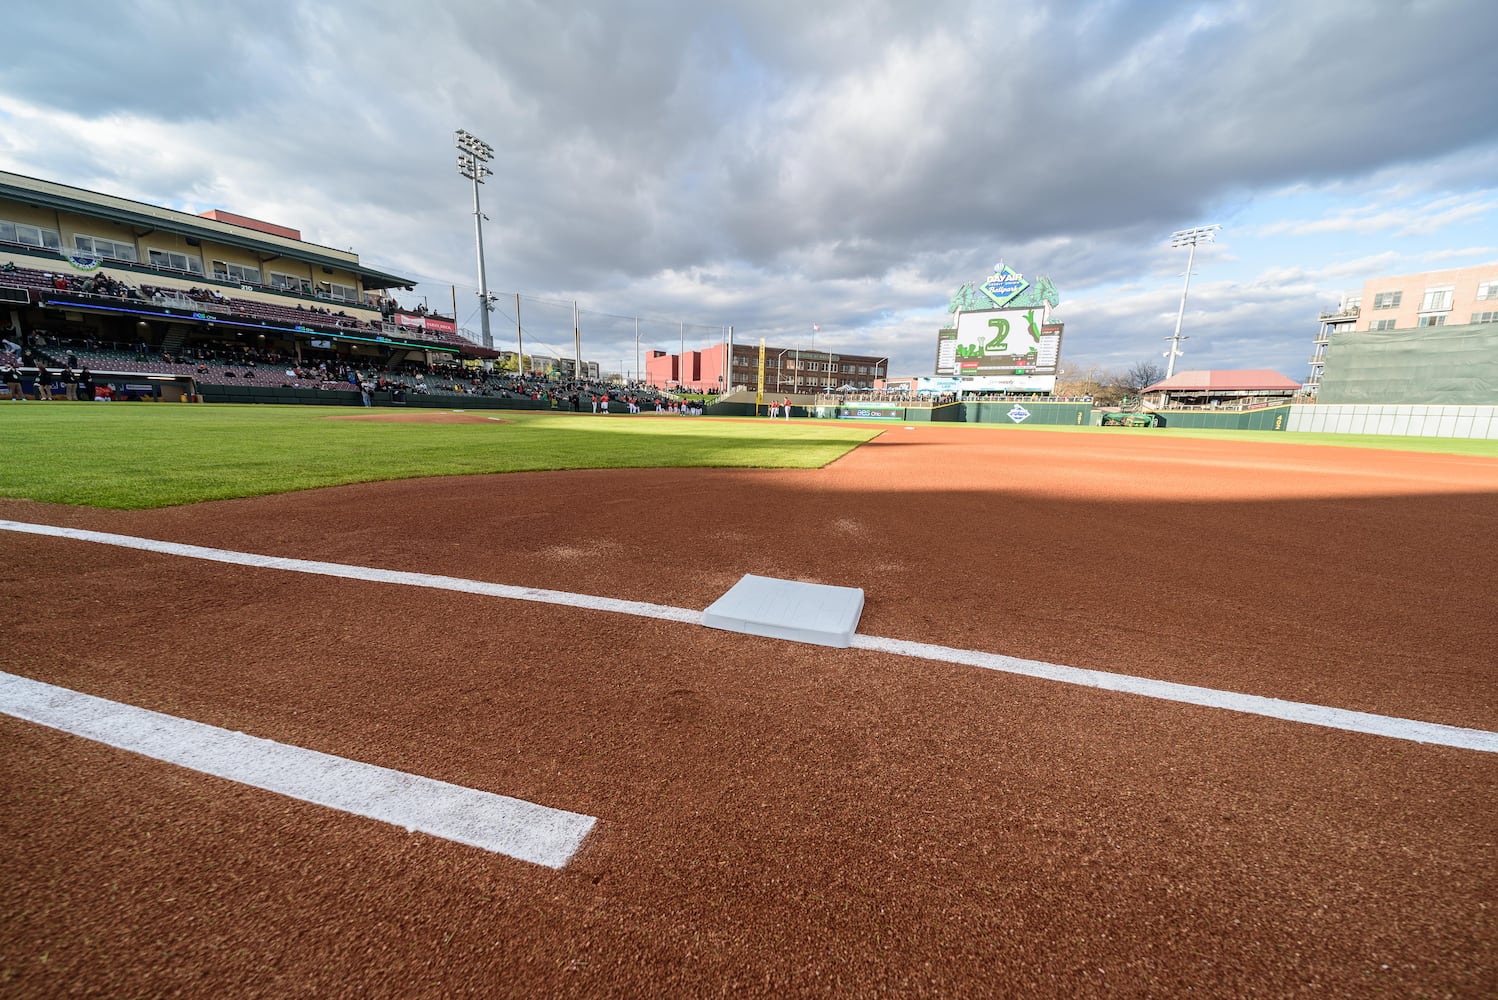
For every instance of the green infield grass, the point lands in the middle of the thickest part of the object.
(141, 455)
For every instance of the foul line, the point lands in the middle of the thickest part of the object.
(1274, 708)
(496, 823)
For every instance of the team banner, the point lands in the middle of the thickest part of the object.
(759, 386)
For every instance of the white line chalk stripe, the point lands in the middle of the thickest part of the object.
(1290, 711)
(350, 572)
(1250, 704)
(480, 819)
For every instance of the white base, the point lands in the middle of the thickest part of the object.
(786, 609)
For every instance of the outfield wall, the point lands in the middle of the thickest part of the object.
(1413, 421)
(349, 397)
(1269, 418)
(1017, 412)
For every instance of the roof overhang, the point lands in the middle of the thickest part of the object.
(58, 198)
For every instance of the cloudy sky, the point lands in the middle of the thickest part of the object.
(774, 165)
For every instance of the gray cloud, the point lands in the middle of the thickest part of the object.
(764, 163)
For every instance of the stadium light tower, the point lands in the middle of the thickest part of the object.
(473, 157)
(1183, 238)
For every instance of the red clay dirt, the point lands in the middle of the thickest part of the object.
(777, 818)
(418, 417)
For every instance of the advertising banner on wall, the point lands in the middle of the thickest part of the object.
(1045, 384)
(414, 321)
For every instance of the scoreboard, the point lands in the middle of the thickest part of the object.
(999, 342)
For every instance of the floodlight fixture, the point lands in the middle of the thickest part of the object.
(1185, 238)
(473, 155)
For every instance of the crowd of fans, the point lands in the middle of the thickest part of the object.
(63, 355)
(208, 299)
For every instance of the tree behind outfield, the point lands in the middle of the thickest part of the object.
(1141, 375)
(1108, 387)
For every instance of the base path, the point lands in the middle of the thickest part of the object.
(777, 818)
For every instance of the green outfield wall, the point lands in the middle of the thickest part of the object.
(1017, 412)
(349, 397)
(1272, 418)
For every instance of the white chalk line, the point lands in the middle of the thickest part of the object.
(496, 823)
(1290, 711)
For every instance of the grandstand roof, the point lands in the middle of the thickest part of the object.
(1254, 380)
(50, 194)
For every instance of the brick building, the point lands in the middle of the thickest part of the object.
(787, 369)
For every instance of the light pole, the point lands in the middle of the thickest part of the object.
(473, 154)
(1182, 238)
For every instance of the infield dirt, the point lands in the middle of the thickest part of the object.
(774, 818)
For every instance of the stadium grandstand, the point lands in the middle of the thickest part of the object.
(127, 287)
(119, 299)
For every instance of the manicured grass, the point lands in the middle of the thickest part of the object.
(141, 455)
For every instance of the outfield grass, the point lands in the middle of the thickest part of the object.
(134, 456)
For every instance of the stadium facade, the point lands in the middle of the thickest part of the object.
(86, 267)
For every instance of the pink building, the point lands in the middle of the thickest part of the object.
(787, 369)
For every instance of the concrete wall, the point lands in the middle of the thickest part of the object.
(1415, 421)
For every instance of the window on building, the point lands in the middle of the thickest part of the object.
(236, 272)
(1387, 300)
(1381, 324)
(1488, 290)
(177, 261)
(342, 293)
(1436, 300)
(289, 283)
(1485, 317)
(31, 236)
(99, 247)
(1433, 320)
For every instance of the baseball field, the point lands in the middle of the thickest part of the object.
(294, 704)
